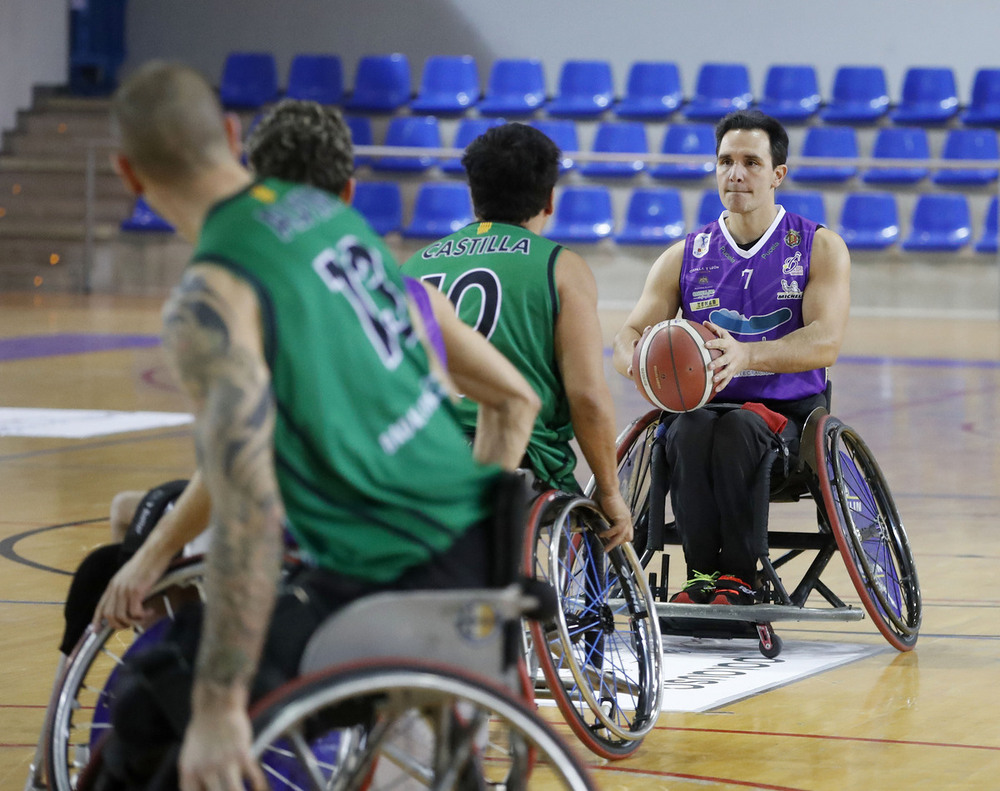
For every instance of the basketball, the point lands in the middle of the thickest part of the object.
(670, 365)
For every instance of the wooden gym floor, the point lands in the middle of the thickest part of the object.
(924, 394)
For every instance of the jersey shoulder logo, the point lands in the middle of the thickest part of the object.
(700, 246)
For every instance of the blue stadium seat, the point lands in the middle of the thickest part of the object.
(984, 104)
(411, 131)
(939, 223)
(449, 84)
(869, 221)
(440, 208)
(859, 96)
(562, 132)
(381, 84)
(830, 142)
(317, 78)
(620, 137)
(381, 203)
(654, 216)
(653, 91)
(689, 139)
(468, 130)
(145, 219)
(899, 142)
(583, 214)
(709, 207)
(929, 96)
(516, 87)
(361, 135)
(249, 80)
(586, 90)
(975, 143)
(720, 89)
(807, 203)
(791, 93)
(988, 241)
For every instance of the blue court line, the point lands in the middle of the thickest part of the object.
(28, 347)
(920, 362)
(21, 601)
(911, 362)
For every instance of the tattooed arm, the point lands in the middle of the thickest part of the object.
(212, 338)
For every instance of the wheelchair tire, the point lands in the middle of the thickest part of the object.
(601, 657)
(436, 726)
(81, 714)
(869, 532)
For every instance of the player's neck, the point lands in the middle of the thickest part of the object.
(186, 206)
(750, 226)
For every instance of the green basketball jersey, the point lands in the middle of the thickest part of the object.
(501, 279)
(374, 470)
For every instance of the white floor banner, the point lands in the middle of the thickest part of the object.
(82, 423)
(702, 674)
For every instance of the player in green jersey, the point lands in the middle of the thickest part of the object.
(309, 143)
(315, 406)
(536, 301)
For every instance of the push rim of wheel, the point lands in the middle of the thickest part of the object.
(602, 660)
(455, 723)
(82, 711)
(869, 532)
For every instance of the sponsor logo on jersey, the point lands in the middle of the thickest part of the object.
(700, 246)
(793, 265)
(792, 237)
(789, 290)
(705, 304)
(703, 293)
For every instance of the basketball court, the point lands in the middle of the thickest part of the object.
(840, 709)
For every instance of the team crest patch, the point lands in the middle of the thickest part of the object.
(700, 247)
(484, 227)
(264, 194)
(792, 238)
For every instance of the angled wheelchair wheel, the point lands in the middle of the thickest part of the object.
(634, 446)
(82, 711)
(601, 657)
(390, 724)
(869, 532)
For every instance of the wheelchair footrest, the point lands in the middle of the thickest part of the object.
(757, 613)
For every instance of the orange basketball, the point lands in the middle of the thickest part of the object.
(670, 365)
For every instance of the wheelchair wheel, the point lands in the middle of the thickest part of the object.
(82, 711)
(633, 450)
(869, 532)
(601, 657)
(410, 724)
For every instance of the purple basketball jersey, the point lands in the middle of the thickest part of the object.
(755, 294)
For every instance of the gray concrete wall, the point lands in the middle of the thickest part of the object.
(34, 47)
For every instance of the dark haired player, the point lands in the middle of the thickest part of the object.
(775, 289)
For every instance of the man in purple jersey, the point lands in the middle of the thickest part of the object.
(775, 289)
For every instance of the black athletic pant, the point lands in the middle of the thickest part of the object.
(713, 455)
(97, 569)
(153, 702)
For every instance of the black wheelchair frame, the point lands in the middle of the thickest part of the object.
(856, 516)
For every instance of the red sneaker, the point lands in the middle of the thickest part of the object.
(697, 590)
(732, 590)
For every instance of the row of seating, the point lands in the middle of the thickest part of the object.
(655, 216)
(698, 139)
(450, 84)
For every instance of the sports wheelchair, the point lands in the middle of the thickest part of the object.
(386, 697)
(600, 654)
(856, 516)
(79, 712)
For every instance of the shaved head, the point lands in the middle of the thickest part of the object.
(169, 122)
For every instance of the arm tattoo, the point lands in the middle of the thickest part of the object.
(234, 440)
